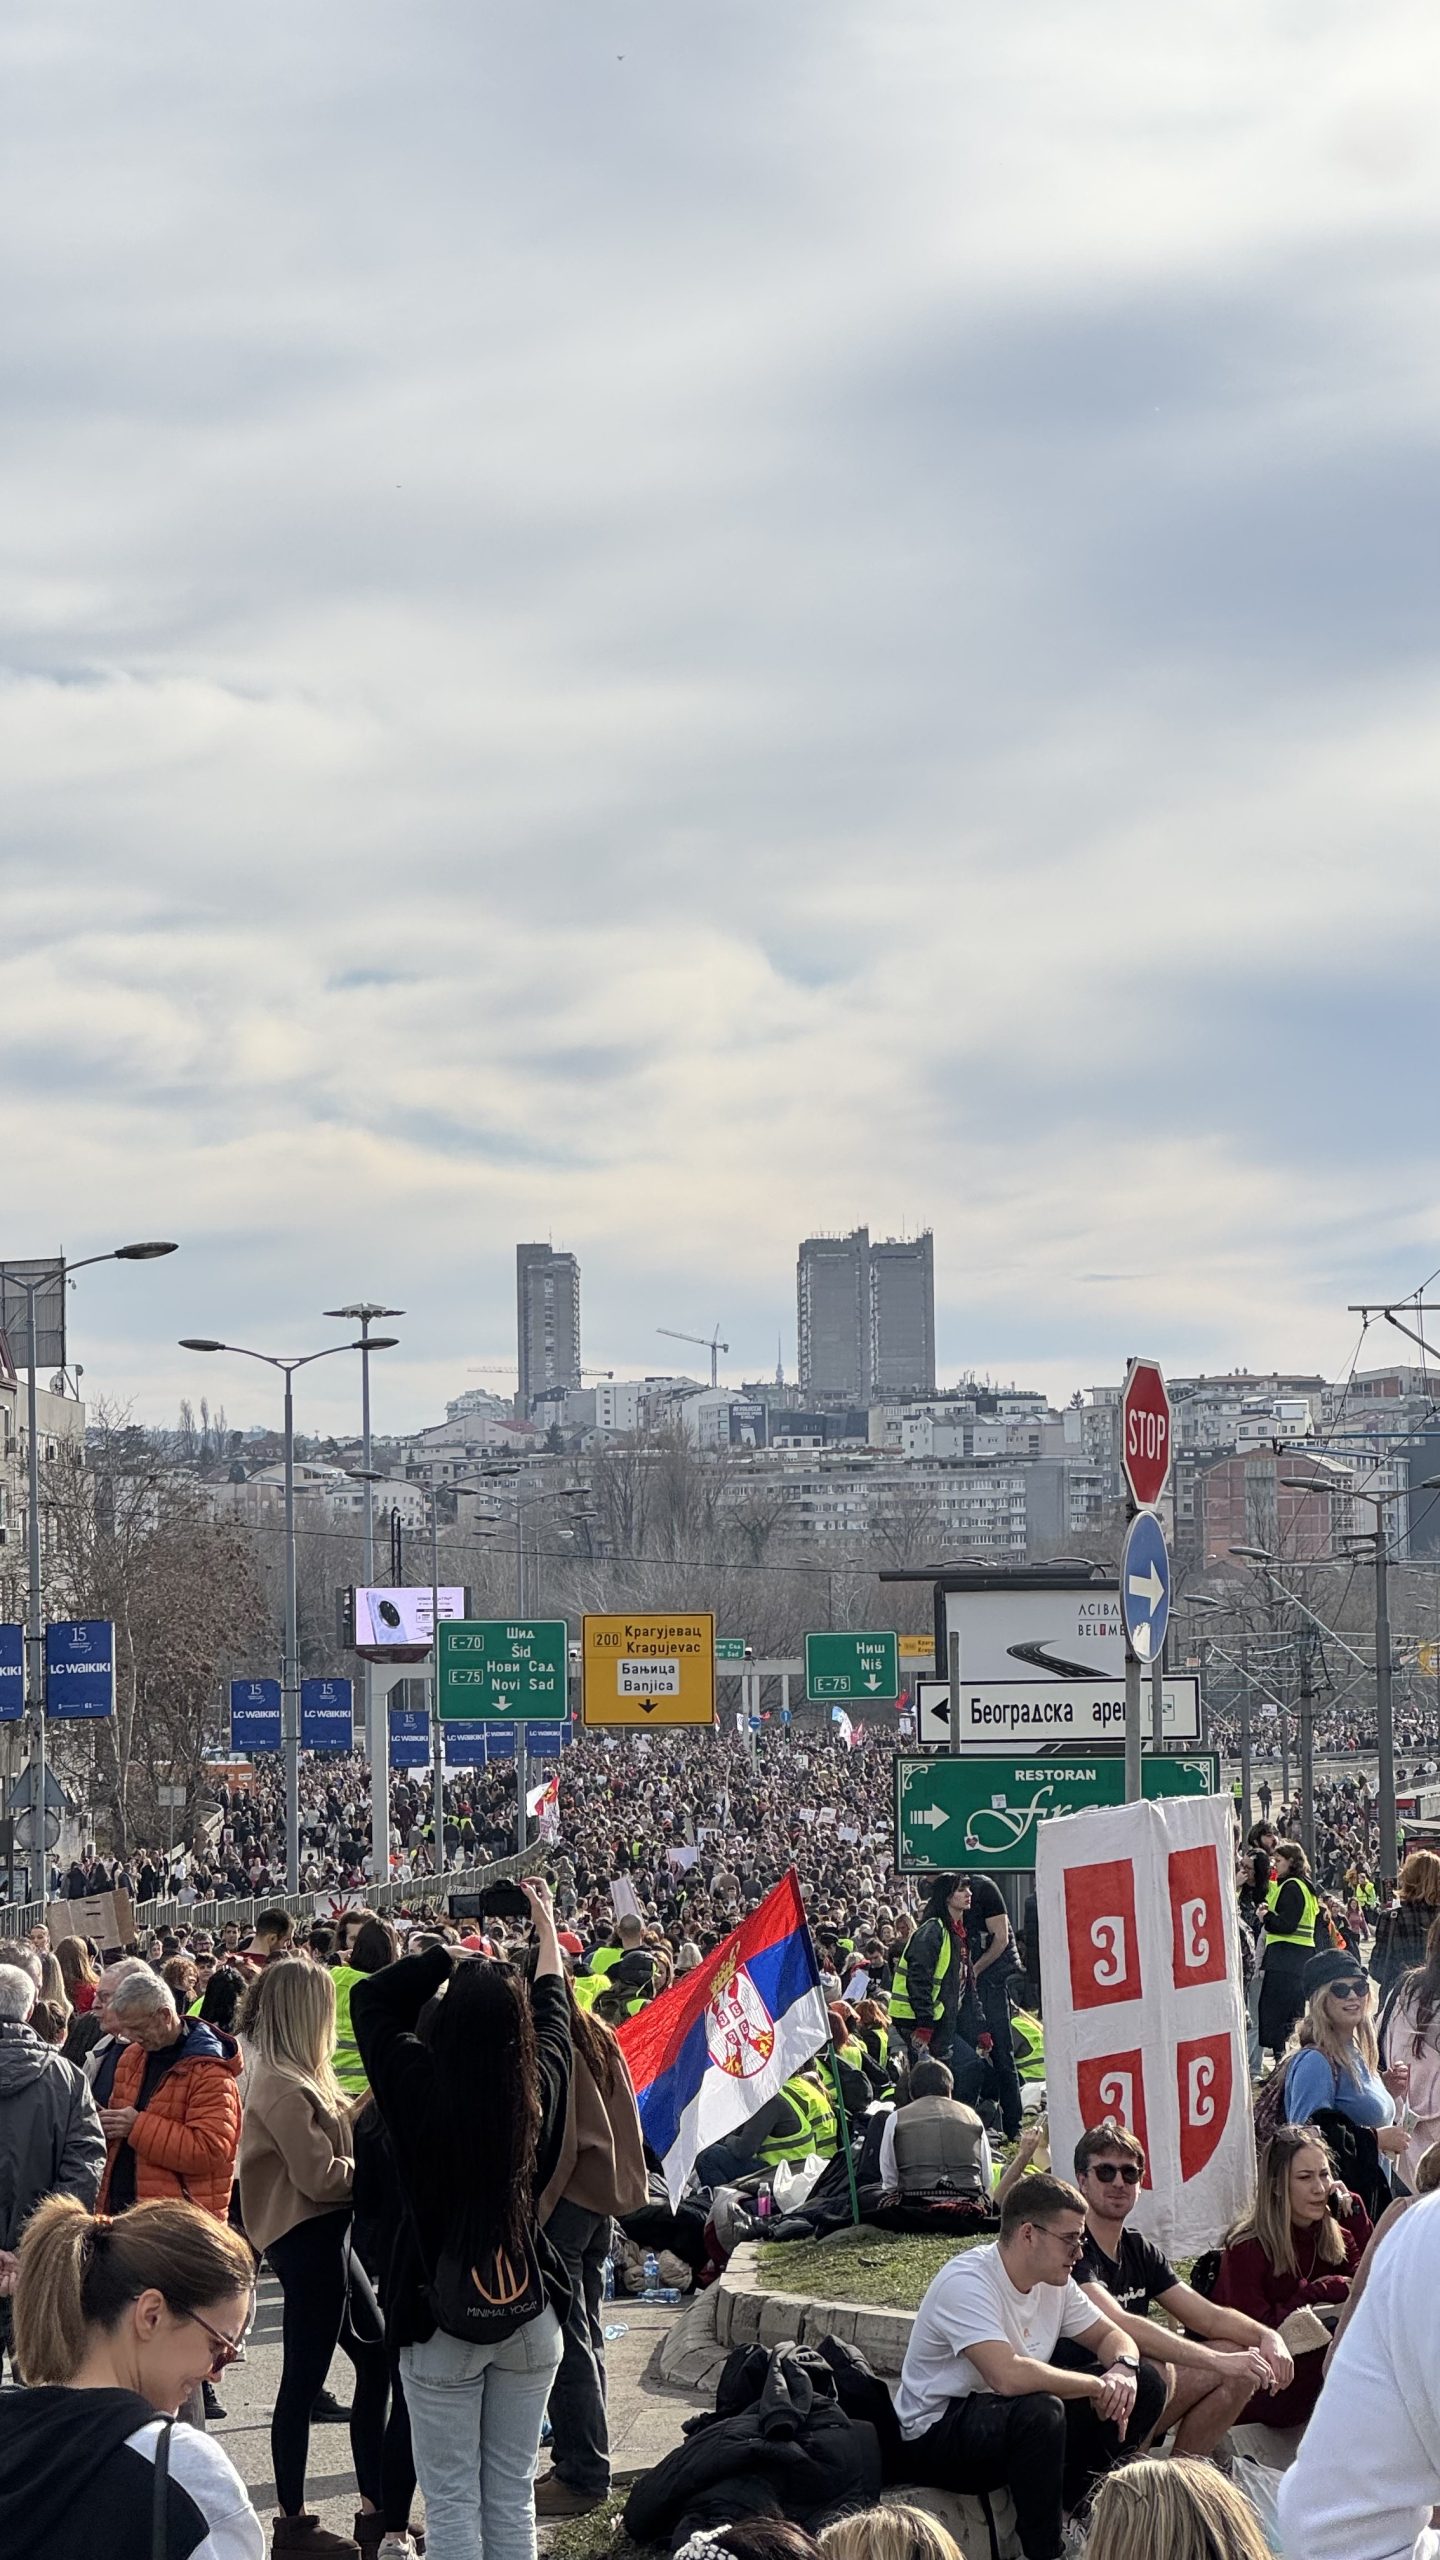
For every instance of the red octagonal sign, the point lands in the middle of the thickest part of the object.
(1145, 1437)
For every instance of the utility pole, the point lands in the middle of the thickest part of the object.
(1246, 1814)
(1307, 1747)
(366, 1312)
(1385, 1708)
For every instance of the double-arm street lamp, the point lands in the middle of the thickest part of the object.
(290, 1681)
(31, 1290)
(366, 1312)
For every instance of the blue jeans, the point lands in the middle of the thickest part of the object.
(475, 2419)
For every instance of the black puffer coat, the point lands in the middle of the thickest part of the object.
(792, 2452)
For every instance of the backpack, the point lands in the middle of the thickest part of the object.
(484, 2296)
(1270, 2101)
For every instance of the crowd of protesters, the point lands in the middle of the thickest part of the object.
(423, 2131)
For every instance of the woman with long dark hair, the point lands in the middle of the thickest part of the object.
(470, 2070)
(933, 2005)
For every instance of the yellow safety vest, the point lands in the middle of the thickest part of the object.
(818, 2131)
(1304, 1936)
(900, 2007)
(349, 2069)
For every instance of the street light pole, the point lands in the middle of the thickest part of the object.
(366, 1312)
(437, 1736)
(1385, 1709)
(290, 1673)
(35, 1608)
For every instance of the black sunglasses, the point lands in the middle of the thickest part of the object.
(1107, 2171)
(1352, 1986)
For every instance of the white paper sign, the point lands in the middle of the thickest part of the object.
(622, 1899)
(1144, 2019)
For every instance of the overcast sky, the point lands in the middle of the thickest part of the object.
(672, 624)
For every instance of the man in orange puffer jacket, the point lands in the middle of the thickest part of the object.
(172, 2127)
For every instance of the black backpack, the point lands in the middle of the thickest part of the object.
(484, 2295)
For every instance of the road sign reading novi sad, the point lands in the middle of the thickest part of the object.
(648, 1670)
(974, 1812)
(1145, 1432)
(501, 1669)
(852, 1666)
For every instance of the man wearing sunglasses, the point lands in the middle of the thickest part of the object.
(1123, 2274)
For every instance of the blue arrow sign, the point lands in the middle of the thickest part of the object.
(327, 1715)
(12, 1673)
(80, 1667)
(254, 1715)
(1145, 1586)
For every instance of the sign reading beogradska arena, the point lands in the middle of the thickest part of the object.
(649, 1670)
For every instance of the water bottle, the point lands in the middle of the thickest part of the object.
(652, 2276)
(764, 2205)
(607, 2281)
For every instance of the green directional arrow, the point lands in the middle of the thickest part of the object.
(999, 1803)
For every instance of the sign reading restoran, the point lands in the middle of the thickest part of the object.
(648, 1670)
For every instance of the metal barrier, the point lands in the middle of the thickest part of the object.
(17, 1919)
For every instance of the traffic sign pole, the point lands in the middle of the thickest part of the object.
(1146, 1440)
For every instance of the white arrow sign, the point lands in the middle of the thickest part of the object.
(872, 1683)
(1147, 1586)
(931, 1817)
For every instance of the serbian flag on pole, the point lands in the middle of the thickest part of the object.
(724, 2039)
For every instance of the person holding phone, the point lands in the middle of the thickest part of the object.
(1297, 2248)
(470, 2068)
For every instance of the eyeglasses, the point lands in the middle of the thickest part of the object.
(227, 2350)
(1351, 1989)
(1072, 2242)
(1107, 2171)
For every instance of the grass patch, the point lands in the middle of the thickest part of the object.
(889, 2269)
(599, 2536)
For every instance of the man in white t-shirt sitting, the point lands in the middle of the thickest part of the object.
(1012, 2381)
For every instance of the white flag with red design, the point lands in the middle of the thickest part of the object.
(1144, 2011)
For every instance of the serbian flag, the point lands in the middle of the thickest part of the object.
(543, 1805)
(724, 2039)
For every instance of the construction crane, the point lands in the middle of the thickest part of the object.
(711, 1343)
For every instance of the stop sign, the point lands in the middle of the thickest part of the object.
(1145, 1431)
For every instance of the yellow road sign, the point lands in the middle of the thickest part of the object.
(648, 1670)
(917, 1648)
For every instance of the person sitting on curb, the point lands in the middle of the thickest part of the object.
(934, 2147)
(1210, 2382)
(1013, 2380)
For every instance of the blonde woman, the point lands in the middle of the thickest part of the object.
(1336, 2072)
(297, 2173)
(1402, 1931)
(898, 2532)
(1182, 2508)
(1291, 2252)
(1412, 2043)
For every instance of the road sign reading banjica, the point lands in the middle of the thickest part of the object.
(852, 1666)
(648, 1670)
(974, 1812)
(502, 1669)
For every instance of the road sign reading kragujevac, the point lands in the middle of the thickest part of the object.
(501, 1669)
(973, 1812)
(648, 1670)
(839, 1666)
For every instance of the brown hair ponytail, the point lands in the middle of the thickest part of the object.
(80, 2272)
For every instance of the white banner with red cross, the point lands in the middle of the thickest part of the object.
(1144, 2015)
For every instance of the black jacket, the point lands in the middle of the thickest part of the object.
(50, 2137)
(792, 2453)
(401, 2072)
(72, 2481)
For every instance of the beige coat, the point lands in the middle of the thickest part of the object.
(602, 2160)
(297, 2159)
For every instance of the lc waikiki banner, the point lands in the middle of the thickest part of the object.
(1144, 2019)
(723, 2040)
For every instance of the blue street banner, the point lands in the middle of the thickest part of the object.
(327, 1715)
(471, 1746)
(80, 1668)
(547, 1741)
(409, 1738)
(254, 1715)
(12, 1674)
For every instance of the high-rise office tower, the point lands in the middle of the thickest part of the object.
(902, 1317)
(547, 1295)
(832, 1289)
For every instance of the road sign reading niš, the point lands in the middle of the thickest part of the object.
(648, 1670)
(1145, 1586)
(1146, 1432)
(729, 1648)
(502, 1668)
(409, 1738)
(327, 1715)
(80, 1667)
(852, 1666)
(973, 1812)
(12, 1673)
(254, 1715)
(1024, 1714)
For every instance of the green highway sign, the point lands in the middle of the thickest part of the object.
(973, 1812)
(851, 1666)
(502, 1669)
(729, 1648)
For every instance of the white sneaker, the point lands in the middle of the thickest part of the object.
(396, 2546)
